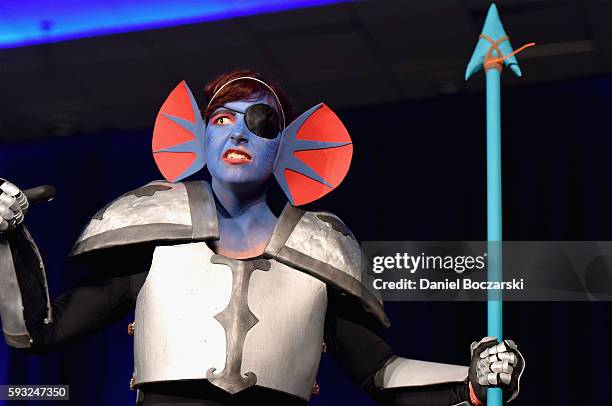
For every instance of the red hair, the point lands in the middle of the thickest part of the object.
(243, 90)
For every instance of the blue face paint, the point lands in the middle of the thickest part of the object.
(235, 156)
(240, 162)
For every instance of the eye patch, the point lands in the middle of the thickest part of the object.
(262, 119)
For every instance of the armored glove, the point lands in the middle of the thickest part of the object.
(13, 205)
(495, 364)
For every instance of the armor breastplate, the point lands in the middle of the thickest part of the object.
(235, 323)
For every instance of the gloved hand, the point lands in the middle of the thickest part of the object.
(495, 364)
(13, 206)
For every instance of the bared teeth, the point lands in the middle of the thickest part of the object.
(237, 155)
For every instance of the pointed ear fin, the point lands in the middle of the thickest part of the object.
(314, 155)
(178, 135)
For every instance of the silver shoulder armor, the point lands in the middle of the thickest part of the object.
(158, 211)
(320, 244)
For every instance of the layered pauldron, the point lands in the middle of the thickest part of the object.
(155, 213)
(317, 243)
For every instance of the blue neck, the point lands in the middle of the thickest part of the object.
(239, 201)
(246, 222)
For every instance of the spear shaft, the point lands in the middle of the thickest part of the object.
(494, 212)
(493, 51)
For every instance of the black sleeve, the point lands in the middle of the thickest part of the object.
(352, 337)
(106, 295)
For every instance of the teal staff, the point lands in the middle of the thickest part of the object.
(493, 51)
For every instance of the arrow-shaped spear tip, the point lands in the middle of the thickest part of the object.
(492, 30)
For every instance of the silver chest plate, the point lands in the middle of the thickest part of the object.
(187, 300)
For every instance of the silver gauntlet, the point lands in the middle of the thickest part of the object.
(13, 205)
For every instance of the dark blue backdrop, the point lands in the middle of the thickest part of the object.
(417, 174)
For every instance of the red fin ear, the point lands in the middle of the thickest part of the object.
(323, 125)
(178, 135)
(314, 155)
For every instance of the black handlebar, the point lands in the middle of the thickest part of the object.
(38, 194)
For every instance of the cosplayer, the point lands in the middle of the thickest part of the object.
(232, 304)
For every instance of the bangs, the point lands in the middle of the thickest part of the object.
(243, 90)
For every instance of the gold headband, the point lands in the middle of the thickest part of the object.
(280, 106)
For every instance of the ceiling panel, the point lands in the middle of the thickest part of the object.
(319, 52)
(301, 22)
(348, 54)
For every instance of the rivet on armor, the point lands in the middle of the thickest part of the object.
(130, 329)
(316, 389)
